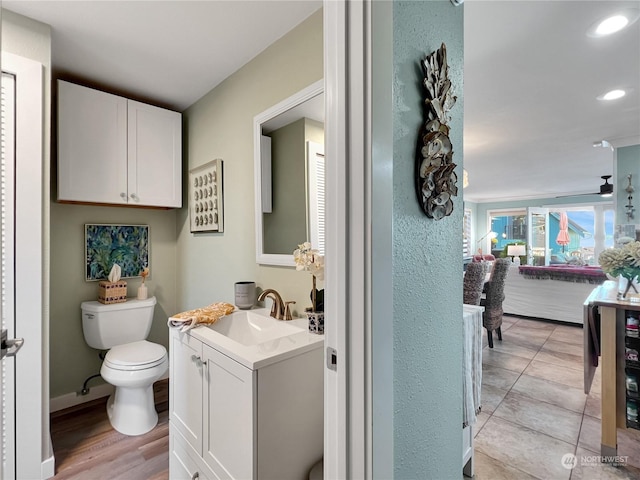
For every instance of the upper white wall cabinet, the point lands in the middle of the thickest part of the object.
(112, 150)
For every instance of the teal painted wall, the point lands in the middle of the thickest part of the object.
(427, 265)
(628, 162)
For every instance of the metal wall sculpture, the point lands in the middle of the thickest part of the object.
(435, 176)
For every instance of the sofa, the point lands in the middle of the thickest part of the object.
(555, 292)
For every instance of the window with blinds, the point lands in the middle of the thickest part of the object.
(315, 176)
(466, 234)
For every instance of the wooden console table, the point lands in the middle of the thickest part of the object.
(612, 332)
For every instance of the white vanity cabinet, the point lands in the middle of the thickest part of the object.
(211, 410)
(112, 150)
(228, 421)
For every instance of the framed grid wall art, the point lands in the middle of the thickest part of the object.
(206, 197)
(126, 245)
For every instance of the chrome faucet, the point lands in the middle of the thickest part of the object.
(277, 307)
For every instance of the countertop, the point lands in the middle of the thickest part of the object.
(605, 295)
(262, 354)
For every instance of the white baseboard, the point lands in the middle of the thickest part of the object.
(72, 399)
(49, 467)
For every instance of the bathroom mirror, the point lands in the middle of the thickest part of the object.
(289, 176)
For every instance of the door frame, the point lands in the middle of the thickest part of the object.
(531, 211)
(348, 397)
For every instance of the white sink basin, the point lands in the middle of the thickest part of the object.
(253, 327)
(254, 339)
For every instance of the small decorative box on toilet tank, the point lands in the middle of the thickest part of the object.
(115, 292)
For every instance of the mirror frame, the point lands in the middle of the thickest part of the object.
(296, 99)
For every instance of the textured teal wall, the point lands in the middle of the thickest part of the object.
(628, 162)
(427, 264)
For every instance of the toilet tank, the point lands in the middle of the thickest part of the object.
(105, 326)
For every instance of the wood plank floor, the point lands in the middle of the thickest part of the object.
(87, 447)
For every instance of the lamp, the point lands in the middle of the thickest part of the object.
(516, 251)
(489, 234)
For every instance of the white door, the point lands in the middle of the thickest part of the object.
(537, 236)
(7, 412)
(26, 440)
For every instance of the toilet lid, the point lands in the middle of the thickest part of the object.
(135, 356)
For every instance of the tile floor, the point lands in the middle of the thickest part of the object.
(534, 410)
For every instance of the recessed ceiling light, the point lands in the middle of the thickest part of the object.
(612, 95)
(613, 23)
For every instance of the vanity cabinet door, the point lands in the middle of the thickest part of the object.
(155, 156)
(187, 369)
(92, 145)
(182, 464)
(229, 423)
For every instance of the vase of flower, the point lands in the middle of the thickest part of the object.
(309, 260)
(316, 322)
(142, 289)
(627, 287)
(623, 262)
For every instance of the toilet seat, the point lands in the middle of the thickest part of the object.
(140, 355)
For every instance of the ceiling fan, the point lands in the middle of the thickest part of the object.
(606, 189)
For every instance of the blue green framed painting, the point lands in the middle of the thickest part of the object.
(126, 245)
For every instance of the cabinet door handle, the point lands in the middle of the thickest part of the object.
(195, 476)
(198, 360)
(123, 196)
(134, 197)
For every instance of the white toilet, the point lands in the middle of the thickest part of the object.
(132, 364)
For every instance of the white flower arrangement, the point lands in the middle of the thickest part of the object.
(309, 260)
(623, 261)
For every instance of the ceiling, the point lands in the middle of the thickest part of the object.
(531, 78)
(168, 52)
(531, 75)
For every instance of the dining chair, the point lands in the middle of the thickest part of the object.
(487, 257)
(473, 282)
(494, 296)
